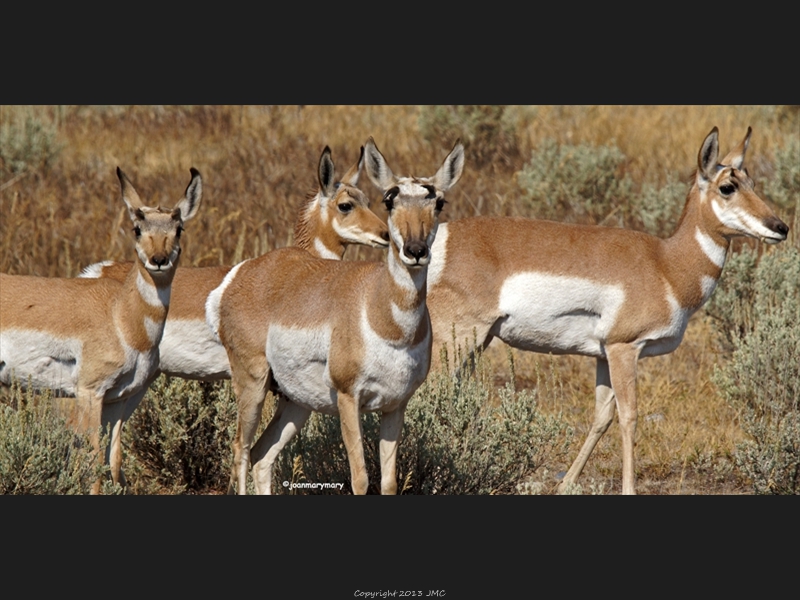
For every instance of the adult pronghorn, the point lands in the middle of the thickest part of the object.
(335, 216)
(336, 337)
(97, 339)
(615, 294)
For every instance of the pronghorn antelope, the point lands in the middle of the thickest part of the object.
(335, 216)
(97, 339)
(615, 294)
(336, 337)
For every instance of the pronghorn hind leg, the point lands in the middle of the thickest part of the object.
(350, 418)
(622, 360)
(391, 433)
(287, 421)
(603, 415)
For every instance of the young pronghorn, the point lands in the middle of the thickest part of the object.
(336, 337)
(615, 294)
(335, 216)
(97, 339)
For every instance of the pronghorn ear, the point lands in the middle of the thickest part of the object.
(354, 172)
(130, 197)
(326, 173)
(709, 154)
(191, 198)
(735, 157)
(378, 171)
(452, 168)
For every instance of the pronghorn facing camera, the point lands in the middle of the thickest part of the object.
(615, 294)
(97, 339)
(336, 337)
(333, 217)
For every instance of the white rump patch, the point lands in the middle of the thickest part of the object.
(95, 271)
(215, 298)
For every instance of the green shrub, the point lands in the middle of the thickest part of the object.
(30, 144)
(762, 378)
(783, 187)
(487, 131)
(656, 210)
(575, 183)
(39, 453)
(179, 439)
(460, 436)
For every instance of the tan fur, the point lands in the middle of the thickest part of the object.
(482, 253)
(347, 208)
(289, 290)
(108, 329)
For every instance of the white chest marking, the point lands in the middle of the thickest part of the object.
(552, 313)
(438, 256)
(666, 339)
(152, 295)
(390, 373)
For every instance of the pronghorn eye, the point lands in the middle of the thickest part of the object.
(137, 232)
(440, 204)
(345, 207)
(178, 232)
(727, 189)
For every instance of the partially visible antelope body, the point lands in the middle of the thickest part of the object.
(335, 216)
(337, 337)
(97, 339)
(614, 294)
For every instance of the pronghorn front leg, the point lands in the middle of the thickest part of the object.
(622, 359)
(350, 418)
(112, 420)
(287, 421)
(251, 391)
(603, 415)
(391, 431)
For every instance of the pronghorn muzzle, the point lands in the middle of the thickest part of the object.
(415, 250)
(779, 227)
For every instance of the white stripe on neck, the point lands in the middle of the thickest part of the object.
(711, 249)
(152, 294)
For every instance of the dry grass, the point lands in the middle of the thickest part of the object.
(258, 163)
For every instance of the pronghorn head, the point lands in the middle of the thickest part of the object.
(341, 211)
(414, 203)
(158, 230)
(727, 190)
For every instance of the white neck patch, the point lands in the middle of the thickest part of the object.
(151, 294)
(323, 251)
(711, 249)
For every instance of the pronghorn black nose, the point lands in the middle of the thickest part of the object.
(415, 249)
(159, 259)
(776, 225)
(385, 235)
